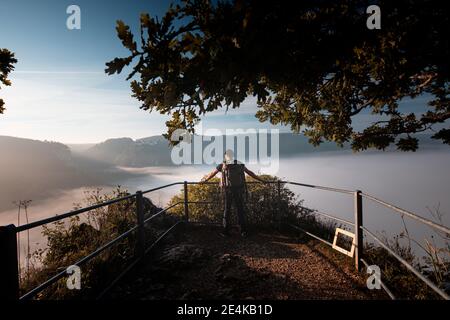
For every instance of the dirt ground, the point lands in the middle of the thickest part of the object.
(197, 263)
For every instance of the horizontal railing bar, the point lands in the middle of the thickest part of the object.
(99, 205)
(70, 214)
(201, 202)
(60, 275)
(161, 212)
(247, 182)
(320, 187)
(131, 266)
(408, 266)
(385, 288)
(285, 182)
(204, 182)
(332, 217)
(162, 187)
(311, 235)
(83, 210)
(162, 237)
(408, 213)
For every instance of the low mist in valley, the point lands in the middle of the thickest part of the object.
(55, 177)
(417, 182)
(36, 170)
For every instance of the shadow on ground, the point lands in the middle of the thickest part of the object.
(197, 263)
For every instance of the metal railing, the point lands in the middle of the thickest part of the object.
(9, 273)
(359, 230)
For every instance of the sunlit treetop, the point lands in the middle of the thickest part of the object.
(312, 65)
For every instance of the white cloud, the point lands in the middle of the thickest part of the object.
(73, 107)
(89, 106)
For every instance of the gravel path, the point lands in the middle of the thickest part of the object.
(200, 264)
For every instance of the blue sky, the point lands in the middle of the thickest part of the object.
(60, 91)
(37, 31)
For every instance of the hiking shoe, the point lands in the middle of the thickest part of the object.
(224, 234)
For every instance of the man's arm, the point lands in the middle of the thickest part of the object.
(210, 176)
(253, 175)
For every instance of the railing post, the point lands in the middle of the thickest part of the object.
(186, 202)
(278, 219)
(279, 190)
(358, 230)
(140, 221)
(9, 269)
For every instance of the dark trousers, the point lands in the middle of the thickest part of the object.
(236, 196)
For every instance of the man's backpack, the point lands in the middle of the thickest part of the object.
(233, 174)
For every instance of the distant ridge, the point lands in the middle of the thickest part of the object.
(32, 169)
(155, 150)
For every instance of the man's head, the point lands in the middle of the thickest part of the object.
(229, 155)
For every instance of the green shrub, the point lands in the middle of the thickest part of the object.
(265, 204)
(69, 241)
(402, 282)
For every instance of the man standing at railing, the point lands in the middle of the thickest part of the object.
(234, 190)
